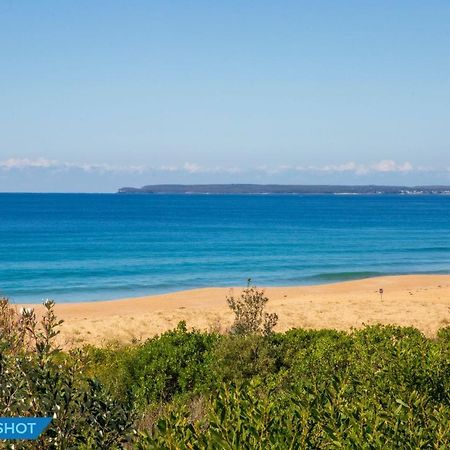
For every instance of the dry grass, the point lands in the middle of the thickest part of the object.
(422, 301)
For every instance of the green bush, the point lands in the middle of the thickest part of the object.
(249, 314)
(113, 367)
(238, 358)
(38, 380)
(174, 363)
(253, 416)
(444, 335)
(382, 387)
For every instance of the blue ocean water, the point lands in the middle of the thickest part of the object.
(73, 247)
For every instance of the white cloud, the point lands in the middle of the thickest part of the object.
(346, 167)
(41, 163)
(192, 167)
(350, 167)
(196, 168)
(25, 163)
(391, 166)
(169, 168)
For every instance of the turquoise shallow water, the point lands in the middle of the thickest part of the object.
(73, 247)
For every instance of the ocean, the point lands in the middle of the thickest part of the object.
(88, 247)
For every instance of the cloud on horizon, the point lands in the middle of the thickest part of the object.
(383, 166)
(49, 175)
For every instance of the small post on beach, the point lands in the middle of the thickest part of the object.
(381, 291)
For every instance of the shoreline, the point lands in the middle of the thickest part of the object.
(421, 301)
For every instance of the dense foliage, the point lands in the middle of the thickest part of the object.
(38, 380)
(382, 387)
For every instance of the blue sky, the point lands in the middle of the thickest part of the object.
(99, 94)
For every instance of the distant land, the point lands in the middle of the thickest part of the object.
(283, 189)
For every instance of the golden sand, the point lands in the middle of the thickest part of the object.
(422, 301)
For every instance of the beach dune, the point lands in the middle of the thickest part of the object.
(421, 301)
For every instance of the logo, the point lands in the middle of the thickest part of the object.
(23, 427)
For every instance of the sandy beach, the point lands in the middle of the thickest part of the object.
(422, 301)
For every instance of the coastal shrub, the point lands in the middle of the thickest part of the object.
(238, 358)
(176, 362)
(249, 314)
(444, 335)
(113, 366)
(315, 353)
(390, 358)
(37, 379)
(255, 416)
(238, 417)
(381, 387)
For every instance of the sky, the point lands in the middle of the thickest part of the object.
(96, 95)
